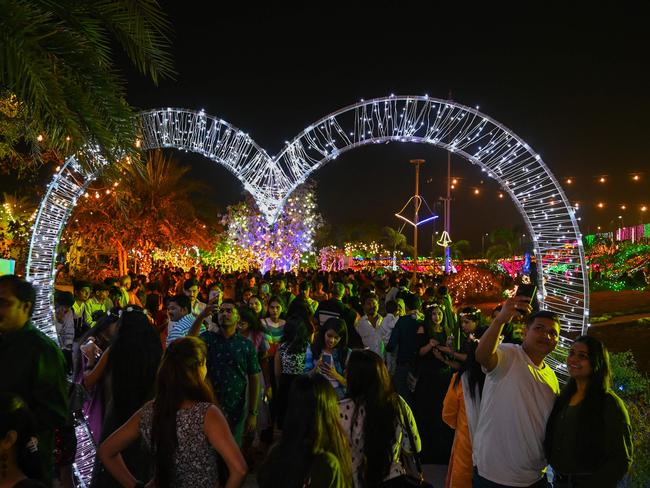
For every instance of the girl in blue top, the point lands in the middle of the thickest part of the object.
(328, 355)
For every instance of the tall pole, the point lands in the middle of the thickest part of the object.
(416, 201)
(448, 210)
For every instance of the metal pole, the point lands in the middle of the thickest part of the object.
(416, 200)
(448, 213)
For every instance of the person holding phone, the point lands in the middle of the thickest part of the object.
(329, 354)
(520, 389)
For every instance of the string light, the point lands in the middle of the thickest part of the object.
(500, 153)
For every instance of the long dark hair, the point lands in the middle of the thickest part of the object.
(311, 427)
(178, 380)
(472, 368)
(133, 362)
(370, 387)
(295, 335)
(591, 407)
(338, 326)
(246, 314)
(15, 415)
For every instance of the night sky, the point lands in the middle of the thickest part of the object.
(573, 84)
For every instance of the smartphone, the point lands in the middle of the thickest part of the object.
(527, 290)
(327, 358)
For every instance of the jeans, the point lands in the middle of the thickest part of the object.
(479, 482)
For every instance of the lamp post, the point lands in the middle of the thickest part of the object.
(416, 205)
(483, 243)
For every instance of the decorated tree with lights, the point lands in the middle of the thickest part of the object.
(283, 245)
(16, 218)
(147, 209)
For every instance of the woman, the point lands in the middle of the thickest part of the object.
(312, 450)
(290, 361)
(375, 419)
(20, 463)
(255, 304)
(460, 412)
(181, 426)
(131, 367)
(273, 324)
(91, 373)
(471, 329)
(433, 377)
(588, 437)
(329, 354)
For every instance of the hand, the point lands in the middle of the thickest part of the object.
(251, 423)
(91, 351)
(513, 307)
(438, 355)
(269, 392)
(445, 349)
(331, 372)
(433, 343)
(208, 310)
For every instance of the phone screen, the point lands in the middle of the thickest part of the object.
(327, 358)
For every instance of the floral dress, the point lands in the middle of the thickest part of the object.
(195, 460)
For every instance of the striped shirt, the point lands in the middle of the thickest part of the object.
(180, 328)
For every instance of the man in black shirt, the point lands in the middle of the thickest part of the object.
(334, 307)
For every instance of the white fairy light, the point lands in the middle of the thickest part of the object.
(503, 155)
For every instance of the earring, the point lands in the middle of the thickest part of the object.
(4, 467)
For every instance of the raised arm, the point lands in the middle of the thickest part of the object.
(486, 352)
(198, 321)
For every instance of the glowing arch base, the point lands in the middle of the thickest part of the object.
(500, 153)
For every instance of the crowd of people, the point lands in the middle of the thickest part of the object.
(317, 379)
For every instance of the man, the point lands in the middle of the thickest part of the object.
(368, 326)
(394, 310)
(83, 319)
(191, 289)
(64, 324)
(180, 317)
(125, 286)
(31, 365)
(99, 302)
(404, 340)
(334, 307)
(518, 397)
(280, 290)
(232, 368)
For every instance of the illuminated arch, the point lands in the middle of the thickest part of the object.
(500, 153)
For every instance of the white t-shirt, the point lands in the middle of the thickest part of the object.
(371, 335)
(517, 400)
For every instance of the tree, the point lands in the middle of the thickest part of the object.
(460, 249)
(57, 59)
(148, 208)
(505, 243)
(16, 219)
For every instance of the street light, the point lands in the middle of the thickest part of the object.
(483, 243)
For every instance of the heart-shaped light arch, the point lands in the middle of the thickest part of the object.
(500, 153)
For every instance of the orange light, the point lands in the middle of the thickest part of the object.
(40, 138)
(454, 181)
(569, 181)
(602, 179)
(453, 187)
(623, 207)
(67, 139)
(500, 195)
(601, 204)
(644, 208)
(476, 192)
(599, 227)
(138, 143)
(636, 177)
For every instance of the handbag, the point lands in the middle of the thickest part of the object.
(411, 463)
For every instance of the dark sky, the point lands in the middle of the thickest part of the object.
(573, 84)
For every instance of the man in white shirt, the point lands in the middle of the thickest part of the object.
(368, 326)
(394, 310)
(518, 396)
(180, 317)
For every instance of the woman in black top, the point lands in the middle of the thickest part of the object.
(588, 439)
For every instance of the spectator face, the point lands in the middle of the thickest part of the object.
(331, 339)
(578, 362)
(101, 295)
(228, 316)
(126, 283)
(436, 315)
(192, 292)
(255, 305)
(468, 325)
(83, 295)
(275, 309)
(60, 312)
(370, 307)
(13, 312)
(246, 296)
(541, 336)
(175, 312)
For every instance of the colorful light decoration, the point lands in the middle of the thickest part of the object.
(500, 153)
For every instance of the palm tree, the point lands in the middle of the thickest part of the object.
(58, 59)
(394, 239)
(505, 243)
